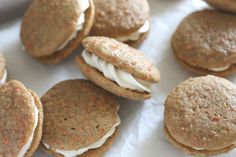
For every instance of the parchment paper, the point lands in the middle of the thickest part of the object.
(141, 132)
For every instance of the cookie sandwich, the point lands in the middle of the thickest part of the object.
(3, 70)
(207, 46)
(117, 68)
(226, 5)
(52, 30)
(125, 20)
(199, 116)
(81, 120)
(21, 121)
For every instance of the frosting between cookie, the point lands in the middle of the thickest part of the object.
(198, 148)
(84, 5)
(219, 69)
(136, 35)
(4, 77)
(99, 143)
(122, 78)
(26, 147)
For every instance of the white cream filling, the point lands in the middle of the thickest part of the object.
(26, 147)
(84, 5)
(198, 148)
(4, 77)
(219, 69)
(136, 35)
(99, 143)
(122, 78)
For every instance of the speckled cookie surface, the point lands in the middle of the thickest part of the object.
(57, 56)
(200, 113)
(226, 5)
(2, 65)
(123, 57)
(17, 119)
(114, 18)
(77, 113)
(201, 41)
(53, 29)
(99, 79)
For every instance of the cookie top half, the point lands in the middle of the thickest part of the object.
(114, 18)
(206, 39)
(123, 57)
(200, 113)
(48, 24)
(77, 114)
(17, 114)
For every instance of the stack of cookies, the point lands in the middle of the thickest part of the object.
(79, 118)
(52, 30)
(200, 113)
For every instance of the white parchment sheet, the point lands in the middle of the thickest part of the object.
(141, 131)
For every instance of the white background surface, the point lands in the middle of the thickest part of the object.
(141, 132)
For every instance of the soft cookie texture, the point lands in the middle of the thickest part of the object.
(199, 116)
(226, 5)
(17, 119)
(120, 18)
(123, 57)
(205, 45)
(78, 114)
(48, 24)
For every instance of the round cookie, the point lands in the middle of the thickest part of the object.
(199, 116)
(52, 30)
(3, 70)
(226, 5)
(117, 68)
(21, 122)
(125, 20)
(81, 119)
(205, 45)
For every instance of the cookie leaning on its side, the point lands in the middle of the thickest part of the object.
(21, 121)
(226, 5)
(117, 68)
(199, 116)
(205, 45)
(81, 120)
(124, 20)
(52, 30)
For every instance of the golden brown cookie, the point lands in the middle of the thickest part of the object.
(117, 68)
(206, 45)
(199, 116)
(226, 5)
(52, 30)
(125, 20)
(21, 122)
(81, 119)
